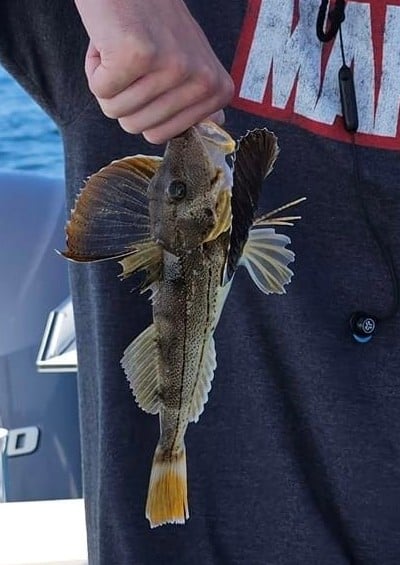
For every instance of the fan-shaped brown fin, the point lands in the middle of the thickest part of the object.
(111, 213)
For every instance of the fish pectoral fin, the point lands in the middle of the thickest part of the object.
(111, 213)
(147, 256)
(266, 258)
(203, 384)
(224, 216)
(142, 367)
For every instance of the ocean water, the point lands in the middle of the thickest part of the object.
(29, 140)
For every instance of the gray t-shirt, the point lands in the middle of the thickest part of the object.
(296, 458)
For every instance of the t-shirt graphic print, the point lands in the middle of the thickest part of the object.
(282, 71)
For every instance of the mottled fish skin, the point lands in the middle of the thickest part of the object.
(186, 305)
(186, 310)
(188, 222)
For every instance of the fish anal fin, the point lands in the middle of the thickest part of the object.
(141, 364)
(266, 259)
(203, 384)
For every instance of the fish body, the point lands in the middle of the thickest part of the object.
(187, 220)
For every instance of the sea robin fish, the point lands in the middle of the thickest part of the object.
(187, 221)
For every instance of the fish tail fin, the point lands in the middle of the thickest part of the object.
(167, 501)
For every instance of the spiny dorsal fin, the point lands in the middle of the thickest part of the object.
(203, 385)
(111, 213)
(266, 259)
(141, 363)
(253, 161)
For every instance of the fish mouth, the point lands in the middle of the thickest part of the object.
(224, 216)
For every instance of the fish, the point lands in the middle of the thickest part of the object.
(187, 221)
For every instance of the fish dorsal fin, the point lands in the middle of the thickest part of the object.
(203, 384)
(111, 213)
(266, 258)
(142, 365)
(253, 161)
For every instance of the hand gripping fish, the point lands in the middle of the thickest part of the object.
(187, 221)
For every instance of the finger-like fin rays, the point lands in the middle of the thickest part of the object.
(270, 219)
(265, 255)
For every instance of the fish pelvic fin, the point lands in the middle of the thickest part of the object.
(141, 364)
(266, 259)
(167, 499)
(146, 257)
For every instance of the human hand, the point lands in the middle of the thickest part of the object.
(151, 67)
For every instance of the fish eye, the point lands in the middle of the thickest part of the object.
(176, 190)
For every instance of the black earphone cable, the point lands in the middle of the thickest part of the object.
(349, 107)
(336, 17)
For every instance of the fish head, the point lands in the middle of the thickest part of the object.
(189, 195)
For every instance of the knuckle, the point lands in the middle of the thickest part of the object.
(108, 109)
(227, 89)
(154, 137)
(95, 88)
(130, 51)
(179, 67)
(102, 86)
(143, 56)
(129, 125)
(207, 80)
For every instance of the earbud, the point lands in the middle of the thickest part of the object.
(363, 326)
(348, 99)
